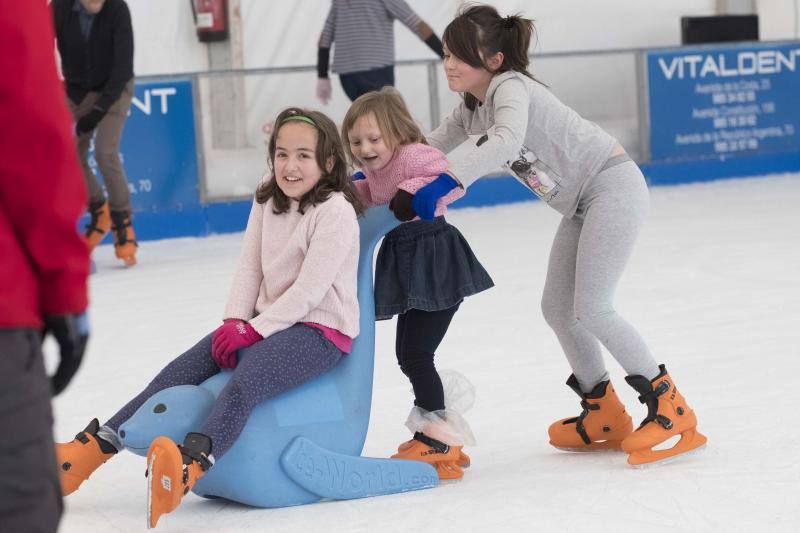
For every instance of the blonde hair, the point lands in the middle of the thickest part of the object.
(392, 115)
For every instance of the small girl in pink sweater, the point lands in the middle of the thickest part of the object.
(424, 270)
(291, 315)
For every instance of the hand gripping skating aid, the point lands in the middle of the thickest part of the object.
(77, 460)
(602, 425)
(667, 415)
(343, 477)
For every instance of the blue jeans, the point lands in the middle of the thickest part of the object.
(357, 83)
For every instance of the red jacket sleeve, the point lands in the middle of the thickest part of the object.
(45, 262)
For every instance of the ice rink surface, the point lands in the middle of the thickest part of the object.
(713, 286)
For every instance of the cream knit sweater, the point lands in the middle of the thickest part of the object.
(298, 268)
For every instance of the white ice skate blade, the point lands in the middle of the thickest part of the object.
(661, 462)
(150, 487)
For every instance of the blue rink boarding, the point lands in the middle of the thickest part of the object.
(714, 112)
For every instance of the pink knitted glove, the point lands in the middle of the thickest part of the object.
(230, 337)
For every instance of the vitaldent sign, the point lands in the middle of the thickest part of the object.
(733, 100)
(720, 65)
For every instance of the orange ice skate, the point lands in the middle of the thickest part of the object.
(125, 244)
(443, 457)
(667, 415)
(79, 458)
(99, 224)
(463, 459)
(172, 471)
(602, 425)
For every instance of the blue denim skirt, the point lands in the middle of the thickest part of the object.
(425, 265)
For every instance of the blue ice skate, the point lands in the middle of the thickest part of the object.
(305, 444)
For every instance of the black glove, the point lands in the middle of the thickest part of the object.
(435, 44)
(72, 333)
(89, 121)
(401, 206)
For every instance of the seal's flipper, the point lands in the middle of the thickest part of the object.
(343, 477)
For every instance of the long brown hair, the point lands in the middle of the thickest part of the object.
(328, 150)
(478, 32)
(392, 115)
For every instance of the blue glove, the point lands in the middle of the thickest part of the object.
(72, 333)
(424, 201)
(358, 176)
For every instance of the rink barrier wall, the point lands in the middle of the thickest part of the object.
(706, 113)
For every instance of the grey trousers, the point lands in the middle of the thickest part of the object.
(589, 254)
(30, 493)
(107, 137)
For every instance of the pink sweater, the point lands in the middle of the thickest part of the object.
(412, 167)
(298, 268)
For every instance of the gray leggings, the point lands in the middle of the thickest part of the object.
(267, 368)
(589, 254)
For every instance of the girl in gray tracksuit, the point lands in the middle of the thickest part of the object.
(583, 173)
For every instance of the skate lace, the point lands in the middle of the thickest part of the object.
(120, 229)
(437, 445)
(581, 429)
(190, 456)
(650, 398)
(92, 224)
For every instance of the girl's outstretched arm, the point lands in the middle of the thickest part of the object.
(450, 134)
(504, 138)
(422, 166)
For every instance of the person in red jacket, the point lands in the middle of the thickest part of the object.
(44, 263)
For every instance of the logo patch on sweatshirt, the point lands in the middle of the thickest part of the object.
(533, 173)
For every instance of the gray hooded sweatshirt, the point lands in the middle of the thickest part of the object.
(522, 126)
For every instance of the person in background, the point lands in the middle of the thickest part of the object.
(44, 265)
(363, 31)
(95, 41)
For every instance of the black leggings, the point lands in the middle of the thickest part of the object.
(418, 336)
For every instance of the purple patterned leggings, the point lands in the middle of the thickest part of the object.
(271, 366)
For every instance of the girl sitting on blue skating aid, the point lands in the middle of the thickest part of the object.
(424, 269)
(292, 311)
(585, 174)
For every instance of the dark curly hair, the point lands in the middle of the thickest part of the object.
(329, 148)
